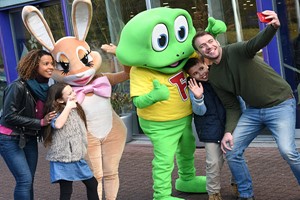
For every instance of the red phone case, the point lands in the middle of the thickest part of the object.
(262, 18)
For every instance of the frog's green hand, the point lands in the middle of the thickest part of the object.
(215, 26)
(159, 92)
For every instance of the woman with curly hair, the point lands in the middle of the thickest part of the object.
(22, 119)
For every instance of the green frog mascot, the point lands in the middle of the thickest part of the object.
(157, 43)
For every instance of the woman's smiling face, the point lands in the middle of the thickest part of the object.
(46, 66)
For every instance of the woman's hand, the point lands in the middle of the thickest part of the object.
(47, 118)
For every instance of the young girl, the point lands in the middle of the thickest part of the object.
(67, 141)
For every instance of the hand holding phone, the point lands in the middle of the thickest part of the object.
(262, 18)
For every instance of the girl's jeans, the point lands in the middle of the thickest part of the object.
(21, 163)
(280, 120)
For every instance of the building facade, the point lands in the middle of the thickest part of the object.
(109, 17)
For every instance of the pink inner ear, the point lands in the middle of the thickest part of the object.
(82, 16)
(37, 26)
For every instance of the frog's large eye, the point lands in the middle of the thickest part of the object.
(181, 28)
(160, 37)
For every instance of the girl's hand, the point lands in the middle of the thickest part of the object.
(196, 88)
(71, 103)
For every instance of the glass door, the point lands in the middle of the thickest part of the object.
(3, 82)
(288, 12)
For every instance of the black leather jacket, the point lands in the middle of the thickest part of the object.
(19, 109)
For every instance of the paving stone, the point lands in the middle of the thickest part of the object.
(272, 177)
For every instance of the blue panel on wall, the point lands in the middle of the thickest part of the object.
(270, 52)
(7, 47)
(6, 3)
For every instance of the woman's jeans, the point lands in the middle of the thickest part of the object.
(280, 120)
(21, 163)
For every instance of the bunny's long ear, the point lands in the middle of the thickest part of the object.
(37, 26)
(81, 18)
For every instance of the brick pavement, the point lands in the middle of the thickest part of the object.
(272, 178)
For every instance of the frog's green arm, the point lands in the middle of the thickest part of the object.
(159, 92)
(143, 101)
(215, 26)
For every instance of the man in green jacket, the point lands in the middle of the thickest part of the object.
(237, 71)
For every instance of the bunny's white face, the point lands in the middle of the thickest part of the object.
(76, 63)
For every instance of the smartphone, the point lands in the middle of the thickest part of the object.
(262, 18)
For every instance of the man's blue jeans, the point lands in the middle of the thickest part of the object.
(21, 163)
(280, 120)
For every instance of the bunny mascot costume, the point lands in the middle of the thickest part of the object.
(77, 65)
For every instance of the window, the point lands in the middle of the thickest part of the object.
(197, 9)
(24, 42)
(291, 41)
(246, 17)
(109, 17)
